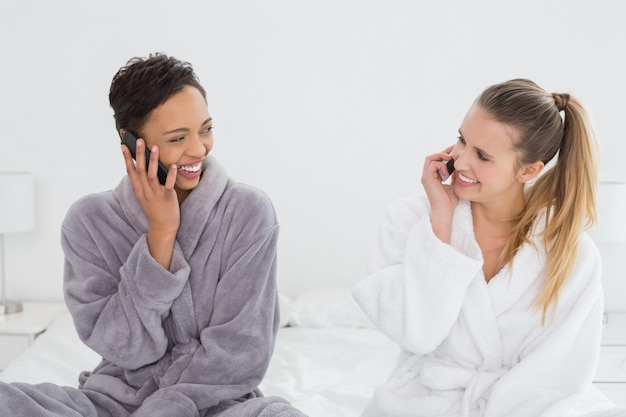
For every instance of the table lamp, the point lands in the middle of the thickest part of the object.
(17, 214)
(609, 234)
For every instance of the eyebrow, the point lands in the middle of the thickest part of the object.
(488, 155)
(184, 129)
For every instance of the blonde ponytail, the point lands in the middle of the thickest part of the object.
(565, 195)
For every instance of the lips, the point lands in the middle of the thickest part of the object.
(190, 170)
(465, 179)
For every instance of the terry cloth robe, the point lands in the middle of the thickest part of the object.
(174, 342)
(472, 348)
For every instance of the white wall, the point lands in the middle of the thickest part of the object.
(329, 105)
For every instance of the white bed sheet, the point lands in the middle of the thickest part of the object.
(324, 370)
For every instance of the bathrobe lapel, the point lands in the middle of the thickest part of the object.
(482, 325)
(503, 291)
(523, 282)
(479, 313)
(195, 211)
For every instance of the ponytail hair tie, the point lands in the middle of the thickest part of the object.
(561, 100)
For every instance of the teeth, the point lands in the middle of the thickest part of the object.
(191, 168)
(465, 179)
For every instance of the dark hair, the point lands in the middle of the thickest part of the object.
(566, 193)
(145, 83)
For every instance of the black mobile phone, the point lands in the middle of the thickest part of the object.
(130, 140)
(449, 168)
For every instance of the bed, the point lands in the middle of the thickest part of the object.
(328, 358)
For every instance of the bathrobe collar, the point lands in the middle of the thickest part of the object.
(196, 208)
(524, 280)
(479, 316)
(504, 290)
(509, 284)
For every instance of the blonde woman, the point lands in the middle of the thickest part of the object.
(489, 283)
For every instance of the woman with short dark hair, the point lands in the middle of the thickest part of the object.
(171, 281)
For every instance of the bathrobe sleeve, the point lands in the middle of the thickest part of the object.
(117, 303)
(558, 364)
(231, 356)
(417, 286)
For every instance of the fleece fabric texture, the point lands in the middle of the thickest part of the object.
(472, 348)
(193, 340)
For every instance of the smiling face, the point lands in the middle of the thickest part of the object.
(487, 169)
(182, 129)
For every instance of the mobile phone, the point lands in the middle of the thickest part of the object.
(449, 168)
(130, 140)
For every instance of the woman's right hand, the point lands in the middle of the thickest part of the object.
(441, 196)
(158, 202)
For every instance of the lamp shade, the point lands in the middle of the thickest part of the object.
(17, 202)
(611, 203)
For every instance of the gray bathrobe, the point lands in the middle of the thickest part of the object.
(174, 342)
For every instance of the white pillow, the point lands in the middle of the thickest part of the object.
(286, 307)
(328, 308)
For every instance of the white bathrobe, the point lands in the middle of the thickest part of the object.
(472, 348)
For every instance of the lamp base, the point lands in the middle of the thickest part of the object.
(10, 307)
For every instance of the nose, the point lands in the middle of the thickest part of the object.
(197, 147)
(457, 155)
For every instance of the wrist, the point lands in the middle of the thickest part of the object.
(442, 225)
(161, 246)
(162, 233)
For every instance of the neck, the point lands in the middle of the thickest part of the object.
(182, 195)
(494, 222)
(497, 223)
(499, 214)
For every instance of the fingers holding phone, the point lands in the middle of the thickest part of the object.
(159, 203)
(147, 171)
(156, 170)
(438, 167)
(130, 140)
(443, 201)
(449, 169)
(437, 170)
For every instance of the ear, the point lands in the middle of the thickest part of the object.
(122, 132)
(529, 171)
